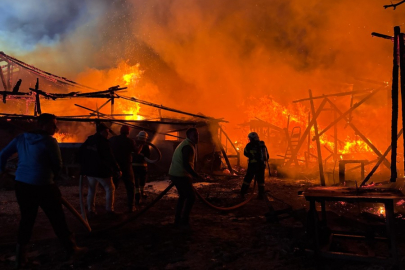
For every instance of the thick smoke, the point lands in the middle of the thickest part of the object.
(212, 56)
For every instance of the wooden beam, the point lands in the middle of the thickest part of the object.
(394, 98)
(342, 116)
(380, 160)
(402, 72)
(37, 109)
(364, 138)
(335, 95)
(318, 144)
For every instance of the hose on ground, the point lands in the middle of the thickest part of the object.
(137, 214)
(75, 213)
(146, 208)
(227, 208)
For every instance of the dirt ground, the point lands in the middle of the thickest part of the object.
(246, 238)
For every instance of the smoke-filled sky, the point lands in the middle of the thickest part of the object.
(209, 56)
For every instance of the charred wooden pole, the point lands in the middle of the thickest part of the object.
(318, 144)
(402, 73)
(335, 132)
(9, 76)
(394, 97)
(37, 109)
(112, 106)
(309, 141)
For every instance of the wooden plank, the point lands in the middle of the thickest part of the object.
(318, 144)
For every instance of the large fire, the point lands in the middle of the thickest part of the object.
(296, 115)
(131, 79)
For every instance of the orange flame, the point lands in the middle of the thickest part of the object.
(130, 80)
(64, 137)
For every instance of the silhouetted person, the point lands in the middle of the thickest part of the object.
(99, 165)
(140, 165)
(123, 147)
(39, 162)
(257, 153)
(181, 173)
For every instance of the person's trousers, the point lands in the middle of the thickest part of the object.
(48, 197)
(186, 198)
(256, 171)
(140, 174)
(109, 188)
(128, 179)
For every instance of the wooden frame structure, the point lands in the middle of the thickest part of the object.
(11, 67)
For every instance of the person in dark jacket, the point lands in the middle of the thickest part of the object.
(99, 165)
(257, 153)
(123, 147)
(39, 162)
(140, 165)
(181, 173)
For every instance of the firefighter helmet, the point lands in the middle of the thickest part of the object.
(253, 136)
(142, 136)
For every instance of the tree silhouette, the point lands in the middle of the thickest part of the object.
(394, 5)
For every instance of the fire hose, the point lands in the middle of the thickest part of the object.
(227, 208)
(71, 209)
(138, 214)
(82, 210)
(147, 207)
(75, 213)
(157, 150)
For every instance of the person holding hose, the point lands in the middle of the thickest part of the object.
(181, 173)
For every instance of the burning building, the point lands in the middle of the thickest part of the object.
(250, 62)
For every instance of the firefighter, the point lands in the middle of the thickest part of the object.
(181, 173)
(140, 166)
(123, 147)
(257, 153)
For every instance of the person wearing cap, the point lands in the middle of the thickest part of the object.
(181, 173)
(123, 147)
(140, 165)
(256, 152)
(99, 165)
(39, 164)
